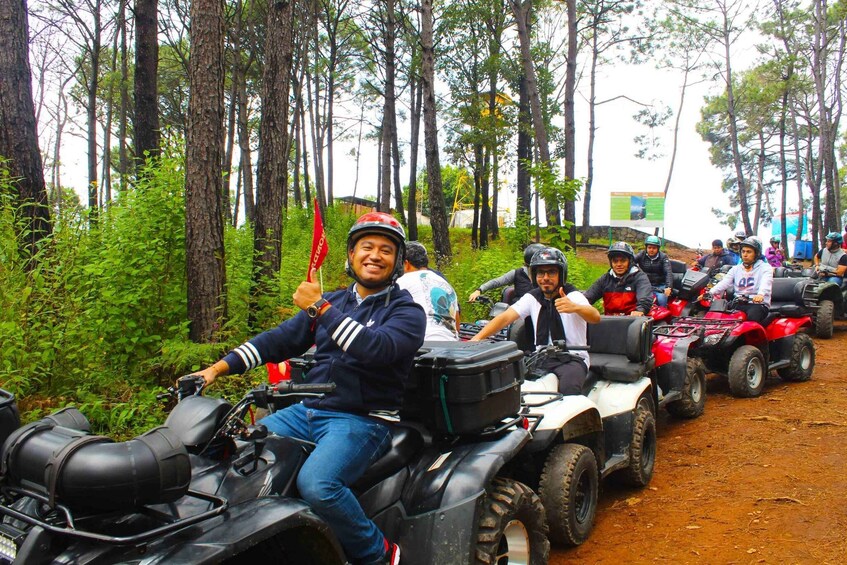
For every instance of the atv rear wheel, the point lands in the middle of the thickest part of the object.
(747, 372)
(512, 528)
(568, 490)
(824, 319)
(693, 400)
(642, 447)
(802, 360)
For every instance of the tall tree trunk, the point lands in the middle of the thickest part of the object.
(107, 130)
(231, 119)
(592, 129)
(522, 10)
(204, 234)
(524, 150)
(417, 96)
(743, 198)
(570, 118)
(91, 115)
(244, 148)
(438, 218)
(273, 161)
(18, 128)
(146, 85)
(481, 174)
(123, 158)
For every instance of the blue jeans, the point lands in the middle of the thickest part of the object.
(659, 293)
(836, 280)
(346, 445)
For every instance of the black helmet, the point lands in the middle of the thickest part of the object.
(621, 248)
(755, 244)
(549, 256)
(531, 250)
(382, 224)
(741, 235)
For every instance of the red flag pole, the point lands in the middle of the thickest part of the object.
(319, 244)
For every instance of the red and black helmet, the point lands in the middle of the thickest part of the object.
(378, 223)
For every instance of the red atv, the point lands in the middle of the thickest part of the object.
(688, 284)
(743, 351)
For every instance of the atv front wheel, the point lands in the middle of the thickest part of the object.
(802, 360)
(642, 447)
(747, 372)
(824, 318)
(693, 400)
(568, 490)
(512, 528)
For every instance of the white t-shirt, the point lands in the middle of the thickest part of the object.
(576, 329)
(438, 300)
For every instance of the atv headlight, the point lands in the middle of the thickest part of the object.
(8, 546)
(711, 340)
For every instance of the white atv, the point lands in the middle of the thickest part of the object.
(610, 428)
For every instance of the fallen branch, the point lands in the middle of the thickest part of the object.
(825, 423)
(780, 499)
(766, 419)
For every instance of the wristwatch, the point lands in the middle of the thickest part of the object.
(315, 308)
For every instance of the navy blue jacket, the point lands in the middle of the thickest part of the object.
(366, 349)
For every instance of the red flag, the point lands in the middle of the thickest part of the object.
(319, 245)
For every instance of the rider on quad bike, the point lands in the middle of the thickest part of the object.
(558, 312)
(519, 278)
(774, 254)
(831, 261)
(717, 258)
(657, 266)
(366, 337)
(753, 278)
(625, 289)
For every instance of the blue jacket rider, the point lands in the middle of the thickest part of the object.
(366, 338)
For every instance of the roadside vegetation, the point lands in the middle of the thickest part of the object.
(100, 321)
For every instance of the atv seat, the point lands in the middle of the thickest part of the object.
(678, 269)
(787, 299)
(620, 348)
(406, 441)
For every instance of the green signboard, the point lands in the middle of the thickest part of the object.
(637, 209)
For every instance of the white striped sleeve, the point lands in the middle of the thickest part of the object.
(346, 332)
(249, 355)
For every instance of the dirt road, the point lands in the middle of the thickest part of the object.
(759, 480)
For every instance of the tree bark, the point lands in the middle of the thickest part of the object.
(205, 261)
(146, 85)
(416, 101)
(570, 117)
(273, 160)
(123, 158)
(18, 128)
(438, 212)
(91, 115)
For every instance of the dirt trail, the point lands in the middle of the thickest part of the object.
(759, 480)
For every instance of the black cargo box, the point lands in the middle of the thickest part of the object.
(9, 418)
(463, 387)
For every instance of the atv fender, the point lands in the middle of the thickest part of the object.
(783, 327)
(558, 413)
(672, 361)
(751, 332)
(572, 422)
(442, 479)
(444, 497)
(614, 398)
(303, 535)
(825, 290)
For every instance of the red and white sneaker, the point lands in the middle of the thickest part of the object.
(393, 554)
